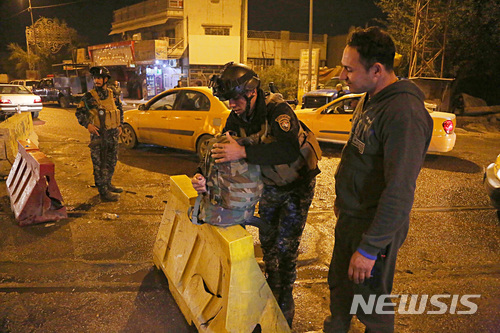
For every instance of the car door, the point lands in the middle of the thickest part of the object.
(334, 122)
(188, 119)
(153, 123)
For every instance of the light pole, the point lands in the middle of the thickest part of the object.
(309, 72)
(31, 63)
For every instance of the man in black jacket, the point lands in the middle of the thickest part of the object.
(375, 180)
(288, 189)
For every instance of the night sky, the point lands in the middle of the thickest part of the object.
(92, 18)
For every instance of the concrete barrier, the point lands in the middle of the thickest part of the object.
(34, 194)
(17, 127)
(212, 272)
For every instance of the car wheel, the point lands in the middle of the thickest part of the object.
(64, 102)
(34, 115)
(128, 137)
(201, 147)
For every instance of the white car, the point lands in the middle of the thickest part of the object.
(27, 83)
(16, 99)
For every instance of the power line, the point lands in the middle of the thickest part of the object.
(49, 6)
(22, 11)
(59, 5)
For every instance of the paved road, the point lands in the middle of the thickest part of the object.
(92, 274)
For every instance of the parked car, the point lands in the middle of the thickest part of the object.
(15, 99)
(324, 95)
(491, 182)
(27, 83)
(184, 118)
(332, 123)
(67, 86)
(53, 93)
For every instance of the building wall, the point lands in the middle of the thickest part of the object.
(213, 31)
(268, 48)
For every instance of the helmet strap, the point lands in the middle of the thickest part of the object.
(247, 108)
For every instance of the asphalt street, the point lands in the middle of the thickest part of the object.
(93, 272)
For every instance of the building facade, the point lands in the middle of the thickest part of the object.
(156, 43)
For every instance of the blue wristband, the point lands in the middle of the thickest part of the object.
(366, 255)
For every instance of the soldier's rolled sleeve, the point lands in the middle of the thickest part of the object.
(82, 112)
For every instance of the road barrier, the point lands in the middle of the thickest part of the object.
(17, 127)
(212, 272)
(34, 194)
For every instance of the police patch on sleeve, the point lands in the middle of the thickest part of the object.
(284, 121)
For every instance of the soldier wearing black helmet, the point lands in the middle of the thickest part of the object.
(100, 112)
(287, 195)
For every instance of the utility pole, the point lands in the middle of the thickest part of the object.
(429, 38)
(309, 72)
(31, 63)
(244, 31)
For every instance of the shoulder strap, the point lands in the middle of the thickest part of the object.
(194, 211)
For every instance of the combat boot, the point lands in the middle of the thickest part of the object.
(287, 305)
(106, 195)
(114, 189)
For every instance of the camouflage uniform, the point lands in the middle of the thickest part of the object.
(285, 209)
(103, 146)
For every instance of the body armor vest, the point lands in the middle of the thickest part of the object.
(310, 154)
(111, 112)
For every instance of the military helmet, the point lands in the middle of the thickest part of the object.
(100, 71)
(235, 80)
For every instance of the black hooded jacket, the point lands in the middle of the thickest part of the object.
(376, 178)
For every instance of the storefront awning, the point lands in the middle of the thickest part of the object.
(132, 27)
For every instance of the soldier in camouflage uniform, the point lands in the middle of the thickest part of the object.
(288, 185)
(100, 112)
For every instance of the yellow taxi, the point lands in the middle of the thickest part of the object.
(332, 123)
(491, 182)
(183, 118)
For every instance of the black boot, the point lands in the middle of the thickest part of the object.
(106, 195)
(114, 189)
(287, 305)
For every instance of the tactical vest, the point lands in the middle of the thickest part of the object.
(112, 113)
(310, 154)
(233, 188)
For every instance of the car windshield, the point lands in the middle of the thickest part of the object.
(14, 90)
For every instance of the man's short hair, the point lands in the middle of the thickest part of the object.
(373, 45)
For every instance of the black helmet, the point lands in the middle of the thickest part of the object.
(100, 71)
(236, 79)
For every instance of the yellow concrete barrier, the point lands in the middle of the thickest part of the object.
(17, 127)
(212, 272)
